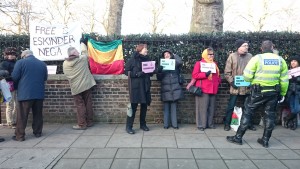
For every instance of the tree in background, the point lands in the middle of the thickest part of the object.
(207, 16)
(17, 14)
(115, 17)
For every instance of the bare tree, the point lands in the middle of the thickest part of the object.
(207, 16)
(60, 11)
(157, 8)
(115, 17)
(18, 14)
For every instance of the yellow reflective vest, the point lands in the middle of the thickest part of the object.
(267, 69)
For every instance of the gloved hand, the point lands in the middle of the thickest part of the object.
(160, 68)
(207, 73)
(233, 85)
(140, 74)
(84, 39)
(281, 99)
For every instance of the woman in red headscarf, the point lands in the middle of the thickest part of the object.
(208, 79)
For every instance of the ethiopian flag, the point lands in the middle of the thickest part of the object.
(106, 57)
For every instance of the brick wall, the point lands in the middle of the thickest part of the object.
(110, 99)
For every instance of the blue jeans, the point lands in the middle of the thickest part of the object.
(294, 104)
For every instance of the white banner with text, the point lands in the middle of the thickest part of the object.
(50, 42)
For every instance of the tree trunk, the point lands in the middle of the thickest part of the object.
(207, 16)
(115, 17)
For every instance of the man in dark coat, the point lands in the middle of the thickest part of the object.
(30, 75)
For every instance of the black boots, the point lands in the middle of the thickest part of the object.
(288, 121)
(130, 130)
(235, 139)
(226, 127)
(144, 127)
(264, 141)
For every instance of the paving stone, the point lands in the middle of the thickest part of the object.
(91, 141)
(211, 164)
(125, 140)
(206, 154)
(154, 164)
(69, 163)
(58, 140)
(182, 164)
(97, 164)
(78, 153)
(284, 154)
(258, 154)
(159, 141)
(32, 158)
(129, 153)
(125, 164)
(154, 153)
(103, 153)
(291, 164)
(179, 153)
(240, 164)
(269, 164)
(232, 154)
(291, 142)
(193, 141)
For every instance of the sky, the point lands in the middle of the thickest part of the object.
(239, 15)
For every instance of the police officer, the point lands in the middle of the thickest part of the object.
(268, 76)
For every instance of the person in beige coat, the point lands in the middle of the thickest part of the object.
(76, 69)
(235, 65)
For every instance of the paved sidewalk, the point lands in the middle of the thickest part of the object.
(107, 146)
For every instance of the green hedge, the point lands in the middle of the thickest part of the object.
(188, 46)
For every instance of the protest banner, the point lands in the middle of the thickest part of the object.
(50, 42)
(148, 67)
(205, 67)
(167, 64)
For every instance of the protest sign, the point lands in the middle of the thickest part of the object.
(239, 81)
(294, 72)
(52, 69)
(168, 64)
(148, 67)
(205, 67)
(50, 42)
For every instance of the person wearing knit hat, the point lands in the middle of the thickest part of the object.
(293, 95)
(208, 80)
(235, 65)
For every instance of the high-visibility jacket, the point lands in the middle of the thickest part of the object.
(267, 69)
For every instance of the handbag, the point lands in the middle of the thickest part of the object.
(197, 91)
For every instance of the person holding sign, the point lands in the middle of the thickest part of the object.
(209, 82)
(293, 94)
(235, 65)
(139, 68)
(171, 90)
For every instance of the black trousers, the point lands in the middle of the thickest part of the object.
(143, 111)
(252, 102)
(23, 109)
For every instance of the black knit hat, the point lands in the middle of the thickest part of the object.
(297, 58)
(239, 43)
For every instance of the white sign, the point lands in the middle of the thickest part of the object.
(294, 72)
(205, 67)
(168, 64)
(148, 67)
(51, 69)
(50, 42)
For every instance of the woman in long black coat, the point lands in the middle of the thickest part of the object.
(139, 87)
(171, 90)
